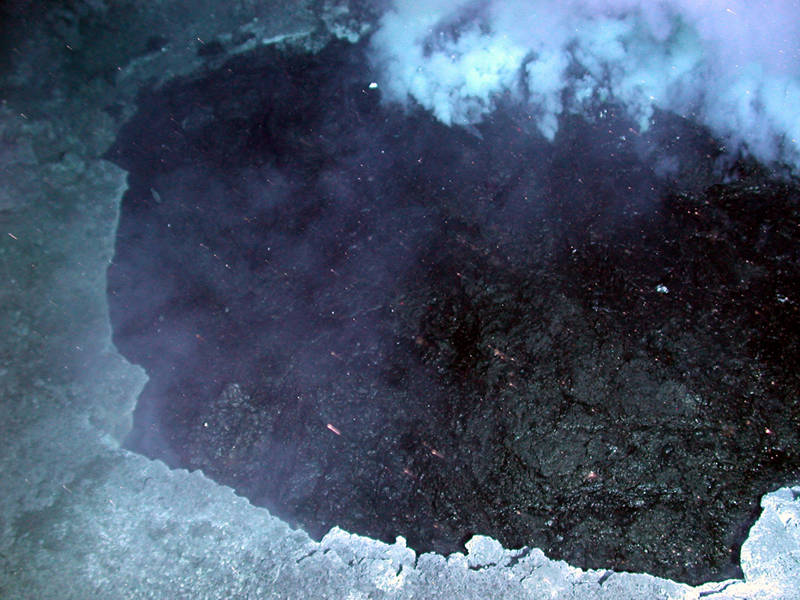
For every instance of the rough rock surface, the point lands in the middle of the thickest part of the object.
(509, 338)
(79, 517)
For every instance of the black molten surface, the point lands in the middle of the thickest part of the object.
(360, 317)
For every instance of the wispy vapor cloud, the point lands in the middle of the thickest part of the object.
(733, 66)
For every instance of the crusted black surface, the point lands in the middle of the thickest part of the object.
(359, 317)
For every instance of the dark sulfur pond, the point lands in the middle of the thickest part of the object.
(356, 316)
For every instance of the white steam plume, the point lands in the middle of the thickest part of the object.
(732, 65)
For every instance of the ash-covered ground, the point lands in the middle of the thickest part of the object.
(357, 316)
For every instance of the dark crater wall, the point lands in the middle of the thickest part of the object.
(359, 317)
